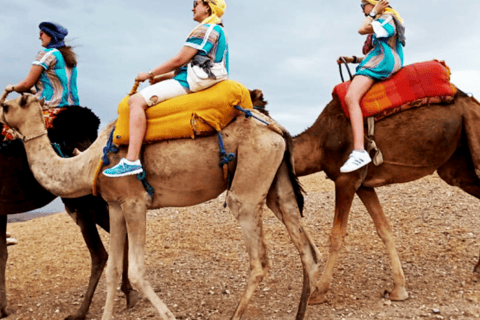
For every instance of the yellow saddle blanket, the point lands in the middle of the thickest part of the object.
(195, 114)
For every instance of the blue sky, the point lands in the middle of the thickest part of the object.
(286, 48)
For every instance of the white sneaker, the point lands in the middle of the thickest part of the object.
(356, 160)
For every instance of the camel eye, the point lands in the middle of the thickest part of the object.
(5, 108)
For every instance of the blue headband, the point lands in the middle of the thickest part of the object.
(56, 32)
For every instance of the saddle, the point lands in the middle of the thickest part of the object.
(415, 85)
(196, 114)
(418, 84)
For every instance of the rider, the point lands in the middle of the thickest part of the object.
(387, 31)
(54, 71)
(169, 79)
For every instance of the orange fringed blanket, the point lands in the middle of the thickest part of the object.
(195, 114)
(416, 84)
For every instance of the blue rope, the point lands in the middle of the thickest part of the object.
(249, 114)
(110, 147)
(58, 150)
(224, 157)
(224, 160)
(146, 185)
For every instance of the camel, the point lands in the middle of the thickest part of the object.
(73, 129)
(183, 172)
(415, 143)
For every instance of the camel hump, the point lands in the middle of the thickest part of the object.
(414, 85)
(196, 114)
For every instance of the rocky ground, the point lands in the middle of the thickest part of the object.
(197, 262)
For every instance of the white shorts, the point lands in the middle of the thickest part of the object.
(163, 90)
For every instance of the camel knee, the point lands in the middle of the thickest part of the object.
(136, 277)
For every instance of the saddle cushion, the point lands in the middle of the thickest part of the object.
(414, 85)
(196, 114)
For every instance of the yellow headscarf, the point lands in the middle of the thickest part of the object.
(218, 8)
(387, 10)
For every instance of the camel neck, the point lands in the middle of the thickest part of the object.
(63, 177)
(307, 153)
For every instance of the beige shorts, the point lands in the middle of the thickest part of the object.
(163, 90)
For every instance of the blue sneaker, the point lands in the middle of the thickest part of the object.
(124, 168)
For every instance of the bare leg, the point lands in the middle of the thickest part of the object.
(371, 202)
(3, 264)
(358, 88)
(137, 125)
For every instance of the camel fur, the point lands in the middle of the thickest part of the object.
(414, 143)
(183, 173)
(74, 129)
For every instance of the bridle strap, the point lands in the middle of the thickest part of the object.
(34, 136)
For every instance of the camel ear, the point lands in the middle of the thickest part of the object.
(257, 98)
(42, 102)
(23, 100)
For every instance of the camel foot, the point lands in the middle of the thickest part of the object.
(317, 297)
(132, 298)
(399, 294)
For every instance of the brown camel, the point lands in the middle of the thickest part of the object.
(74, 128)
(183, 172)
(414, 143)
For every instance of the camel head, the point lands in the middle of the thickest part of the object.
(23, 113)
(258, 102)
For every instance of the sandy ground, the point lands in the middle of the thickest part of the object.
(197, 262)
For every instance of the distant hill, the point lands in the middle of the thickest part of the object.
(53, 207)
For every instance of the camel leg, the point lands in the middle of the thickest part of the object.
(3, 264)
(371, 202)
(98, 256)
(459, 172)
(102, 219)
(281, 200)
(135, 217)
(87, 212)
(344, 193)
(471, 119)
(248, 213)
(114, 265)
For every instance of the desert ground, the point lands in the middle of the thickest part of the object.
(197, 263)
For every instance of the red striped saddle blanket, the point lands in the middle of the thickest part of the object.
(418, 84)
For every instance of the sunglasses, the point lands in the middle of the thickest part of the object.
(195, 3)
(363, 5)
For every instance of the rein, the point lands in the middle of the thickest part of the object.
(348, 69)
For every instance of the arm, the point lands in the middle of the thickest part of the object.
(185, 55)
(27, 83)
(162, 77)
(350, 59)
(366, 26)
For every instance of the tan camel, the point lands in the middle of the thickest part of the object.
(183, 173)
(414, 143)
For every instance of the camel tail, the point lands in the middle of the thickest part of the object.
(289, 160)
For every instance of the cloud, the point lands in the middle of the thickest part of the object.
(467, 81)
